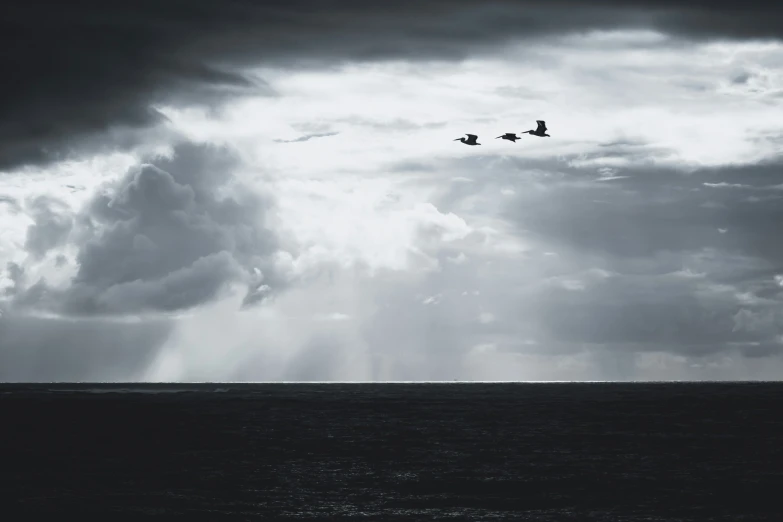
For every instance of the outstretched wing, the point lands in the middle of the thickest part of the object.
(541, 126)
(471, 136)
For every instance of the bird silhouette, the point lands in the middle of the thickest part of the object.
(510, 136)
(540, 130)
(470, 141)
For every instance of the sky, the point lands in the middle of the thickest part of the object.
(271, 191)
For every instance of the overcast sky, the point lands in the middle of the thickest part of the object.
(265, 191)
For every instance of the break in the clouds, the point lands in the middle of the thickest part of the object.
(90, 75)
(271, 191)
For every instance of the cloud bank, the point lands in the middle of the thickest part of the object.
(166, 237)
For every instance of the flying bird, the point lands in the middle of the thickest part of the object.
(470, 141)
(510, 136)
(540, 130)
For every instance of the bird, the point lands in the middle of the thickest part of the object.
(540, 130)
(470, 141)
(510, 136)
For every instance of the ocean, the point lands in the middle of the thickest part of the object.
(396, 451)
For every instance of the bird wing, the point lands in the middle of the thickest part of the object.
(541, 125)
(471, 136)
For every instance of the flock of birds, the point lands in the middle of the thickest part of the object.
(540, 131)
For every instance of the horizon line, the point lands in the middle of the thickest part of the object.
(396, 382)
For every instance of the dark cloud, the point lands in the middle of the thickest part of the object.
(741, 78)
(648, 210)
(165, 237)
(657, 222)
(94, 71)
(668, 316)
(655, 260)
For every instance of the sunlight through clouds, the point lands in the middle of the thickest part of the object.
(349, 237)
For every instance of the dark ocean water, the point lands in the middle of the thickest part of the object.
(543, 452)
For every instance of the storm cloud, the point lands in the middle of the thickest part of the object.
(166, 237)
(89, 75)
